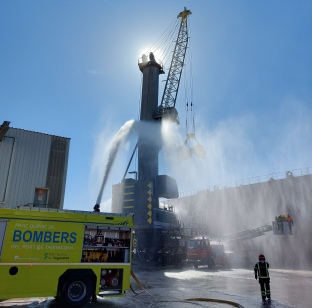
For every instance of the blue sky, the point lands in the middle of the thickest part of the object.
(69, 68)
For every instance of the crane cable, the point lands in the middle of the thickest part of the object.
(191, 79)
(163, 37)
(189, 107)
(165, 41)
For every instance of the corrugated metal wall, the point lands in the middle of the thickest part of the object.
(30, 160)
(6, 150)
(56, 176)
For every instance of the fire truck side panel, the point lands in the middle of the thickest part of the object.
(40, 251)
(38, 241)
(37, 281)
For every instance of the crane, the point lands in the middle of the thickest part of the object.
(159, 237)
(167, 106)
(151, 68)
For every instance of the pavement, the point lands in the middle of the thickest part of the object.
(171, 288)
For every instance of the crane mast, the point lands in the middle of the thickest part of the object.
(167, 107)
(158, 232)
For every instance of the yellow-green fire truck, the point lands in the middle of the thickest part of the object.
(71, 255)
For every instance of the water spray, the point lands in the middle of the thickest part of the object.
(118, 139)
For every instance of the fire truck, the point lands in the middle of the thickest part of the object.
(199, 252)
(71, 255)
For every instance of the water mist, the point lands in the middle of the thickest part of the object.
(120, 136)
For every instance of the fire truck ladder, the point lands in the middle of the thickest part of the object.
(248, 234)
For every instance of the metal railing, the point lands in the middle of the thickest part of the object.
(253, 180)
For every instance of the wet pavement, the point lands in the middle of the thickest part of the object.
(172, 287)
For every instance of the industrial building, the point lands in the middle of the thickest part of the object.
(33, 168)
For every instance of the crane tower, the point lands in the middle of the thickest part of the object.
(158, 235)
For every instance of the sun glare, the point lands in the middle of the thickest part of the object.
(157, 54)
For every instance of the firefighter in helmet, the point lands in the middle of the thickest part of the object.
(96, 208)
(262, 271)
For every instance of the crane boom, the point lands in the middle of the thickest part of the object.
(168, 101)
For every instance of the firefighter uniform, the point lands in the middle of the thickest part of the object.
(261, 270)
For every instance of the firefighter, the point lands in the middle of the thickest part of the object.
(96, 208)
(289, 219)
(290, 222)
(262, 271)
(281, 218)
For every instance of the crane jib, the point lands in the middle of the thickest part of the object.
(167, 106)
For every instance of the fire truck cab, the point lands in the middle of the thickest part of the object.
(199, 252)
(218, 253)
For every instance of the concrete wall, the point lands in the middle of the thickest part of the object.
(235, 209)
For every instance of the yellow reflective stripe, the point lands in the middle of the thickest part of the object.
(266, 270)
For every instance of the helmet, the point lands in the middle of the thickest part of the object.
(261, 257)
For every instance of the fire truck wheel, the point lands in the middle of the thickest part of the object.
(76, 291)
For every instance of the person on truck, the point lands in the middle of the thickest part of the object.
(289, 219)
(290, 222)
(261, 270)
(281, 218)
(96, 208)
